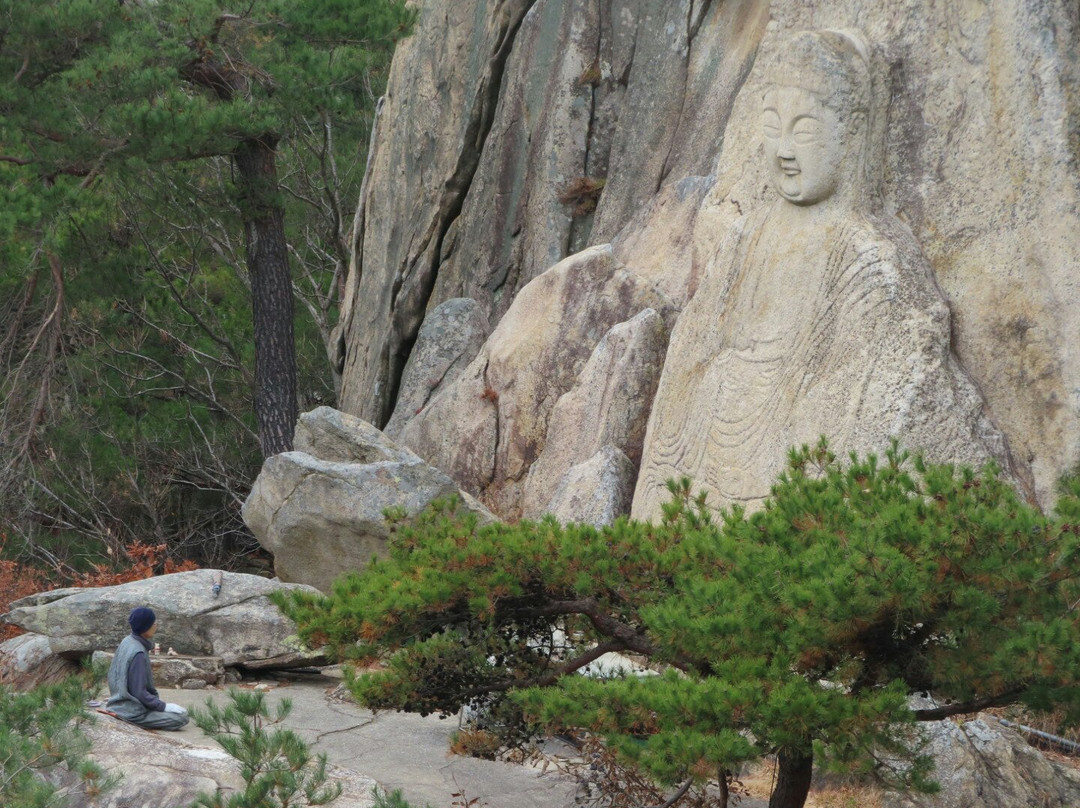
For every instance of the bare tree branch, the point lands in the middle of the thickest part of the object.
(678, 795)
(973, 706)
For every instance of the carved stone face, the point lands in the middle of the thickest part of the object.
(804, 145)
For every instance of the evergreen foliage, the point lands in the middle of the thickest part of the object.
(278, 768)
(798, 630)
(40, 730)
(127, 344)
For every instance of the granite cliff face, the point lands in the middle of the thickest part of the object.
(517, 133)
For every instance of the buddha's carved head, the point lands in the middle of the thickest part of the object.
(814, 115)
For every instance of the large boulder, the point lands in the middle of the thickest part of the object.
(608, 406)
(28, 660)
(240, 625)
(981, 764)
(489, 427)
(595, 492)
(336, 436)
(323, 517)
(450, 337)
(159, 769)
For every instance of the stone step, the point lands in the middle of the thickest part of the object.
(183, 671)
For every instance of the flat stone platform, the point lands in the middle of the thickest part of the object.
(399, 750)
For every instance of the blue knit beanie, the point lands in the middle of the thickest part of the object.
(140, 619)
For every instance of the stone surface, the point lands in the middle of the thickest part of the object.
(328, 434)
(438, 110)
(975, 153)
(176, 671)
(399, 750)
(608, 406)
(28, 660)
(161, 769)
(659, 242)
(818, 315)
(490, 426)
(241, 625)
(323, 517)
(981, 764)
(505, 106)
(595, 492)
(450, 337)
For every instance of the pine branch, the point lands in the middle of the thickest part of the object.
(938, 713)
(678, 795)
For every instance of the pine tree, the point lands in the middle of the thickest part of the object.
(276, 764)
(799, 630)
(40, 730)
(95, 89)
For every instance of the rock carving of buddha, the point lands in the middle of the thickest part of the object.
(817, 316)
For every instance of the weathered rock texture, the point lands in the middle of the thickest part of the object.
(448, 340)
(159, 769)
(334, 436)
(492, 113)
(494, 109)
(981, 764)
(489, 427)
(607, 407)
(321, 514)
(189, 672)
(28, 660)
(241, 625)
(595, 492)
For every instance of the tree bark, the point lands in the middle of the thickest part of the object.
(795, 768)
(271, 293)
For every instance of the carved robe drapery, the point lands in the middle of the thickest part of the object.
(836, 328)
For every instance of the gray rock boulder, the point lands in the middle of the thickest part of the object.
(159, 769)
(488, 427)
(328, 434)
(28, 660)
(241, 625)
(450, 337)
(596, 492)
(981, 764)
(323, 517)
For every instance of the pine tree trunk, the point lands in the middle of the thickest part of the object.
(271, 294)
(794, 771)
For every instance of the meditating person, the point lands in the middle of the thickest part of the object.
(132, 695)
(818, 315)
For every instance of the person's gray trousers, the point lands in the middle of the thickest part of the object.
(155, 719)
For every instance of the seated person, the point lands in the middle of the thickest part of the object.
(132, 695)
